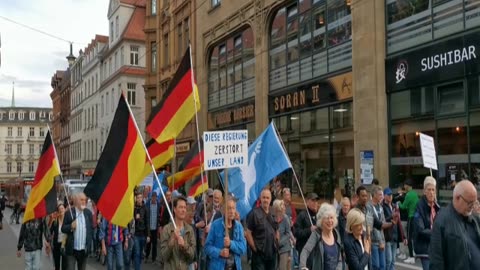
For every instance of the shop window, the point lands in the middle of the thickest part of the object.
(411, 103)
(474, 91)
(474, 174)
(451, 98)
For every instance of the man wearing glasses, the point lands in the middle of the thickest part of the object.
(455, 240)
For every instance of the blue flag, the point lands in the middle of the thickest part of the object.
(266, 159)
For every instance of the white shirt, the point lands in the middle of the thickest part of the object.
(80, 233)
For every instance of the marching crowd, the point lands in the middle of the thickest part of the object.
(362, 233)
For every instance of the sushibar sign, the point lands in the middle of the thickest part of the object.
(225, 149)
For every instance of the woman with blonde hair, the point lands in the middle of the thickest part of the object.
(285, 232)
(357, 248)
(324, 244)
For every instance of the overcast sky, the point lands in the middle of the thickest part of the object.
(30, 58)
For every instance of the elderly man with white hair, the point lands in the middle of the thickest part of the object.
(324, 242)
(455, 239)
(427, 209)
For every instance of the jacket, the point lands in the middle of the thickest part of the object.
(342, 223)
(31, 235)
(285, 232)
(67, 228)
(410, 203)
(142, 224)
(214, 245)
(302, 227)
(377, 214)
(314, 247)
(448, 245)
(54, 234)
(422, 227)
(149, 203)
(355, 258)
(391, 214)
(173, 257)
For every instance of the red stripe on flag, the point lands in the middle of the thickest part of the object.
(45, 163)
(118, 183)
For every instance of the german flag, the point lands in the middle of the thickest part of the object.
(160, 153)
(180, 178)
(193, 158)
(117, 172)
(177, 106)
(43, 197)
(198, 187)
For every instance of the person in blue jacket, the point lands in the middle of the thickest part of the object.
(225, 251)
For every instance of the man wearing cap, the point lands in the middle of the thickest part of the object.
(391, 234)
(306, 224)
(410, 204)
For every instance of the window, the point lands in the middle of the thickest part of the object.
(232, 70)
(11, 116)
(153, 57)
(111, 32)
(165, 50)
(117, 28)
(122, 57)
(19, 149)
(32, 116)
(113, 99)
(154, 7)
(115, 61)
(9, 167)
(31, 149)
(180, 41)
(134, 55)
(131, 94)
(186, 30)
(32, 132)
(31, 167)
(19, 132)
(19, 166)
(9, 131)
(21, 115)
(153, 102)
(216, 3)
(40, 148)
(8, 148)
(107, 105)
(102, 107)
(42, 132)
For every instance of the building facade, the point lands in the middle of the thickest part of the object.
(432, 80)
(168, 31)
(60, 127)
(350, 84)
(76, 116)
(22, 133)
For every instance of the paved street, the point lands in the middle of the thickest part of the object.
(8, 259)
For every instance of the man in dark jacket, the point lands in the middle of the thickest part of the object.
(142, 232)
(306, 224)
(77, 225)
(30, 238)
(455, 239)
(392, 234)
(427, 209)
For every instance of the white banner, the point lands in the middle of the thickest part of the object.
(225, 149)
(428, 152)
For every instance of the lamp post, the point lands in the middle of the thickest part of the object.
(71, 58)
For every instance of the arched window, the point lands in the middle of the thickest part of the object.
(309, 39)
(231, 70)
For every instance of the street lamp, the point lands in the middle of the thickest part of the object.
(71, 58)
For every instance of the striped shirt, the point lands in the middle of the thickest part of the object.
(153, 216)
(80, 233)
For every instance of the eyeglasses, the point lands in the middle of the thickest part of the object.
(470, 204)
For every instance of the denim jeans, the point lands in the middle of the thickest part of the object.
(425, 263)
(33, 260)
(378, 258)
(115, 254)
(138, 251)
(127, 255)
(390, 255)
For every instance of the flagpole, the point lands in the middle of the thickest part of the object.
(174, 164)
(61, 174)
(293, 170)
(226, 201)
(150, 160)
(202, 172)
